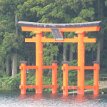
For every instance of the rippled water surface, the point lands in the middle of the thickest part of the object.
(13, 99)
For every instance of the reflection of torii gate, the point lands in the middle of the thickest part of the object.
(57, 30)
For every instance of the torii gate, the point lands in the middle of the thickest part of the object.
(57, 30)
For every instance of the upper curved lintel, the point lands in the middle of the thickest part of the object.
(58, 25)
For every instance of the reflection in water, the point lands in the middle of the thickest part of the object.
(16, 100)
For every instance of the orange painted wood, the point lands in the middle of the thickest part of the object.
(81, 62)
(73, 29)
(47, 67)
(30, 86)
(22, 87)
(89, 40)
(33, 39)
(47, 86)
(89, 87)
(67, 40)
(89, 67)
(72, 87)
(96, 79)
(65, 79)
(54, 78)
(39, 63)
(27, 86)
(39, 40)
(44, 39)
(23, 78)
(31, 67)
(73, 40)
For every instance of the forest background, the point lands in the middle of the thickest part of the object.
(13, 49)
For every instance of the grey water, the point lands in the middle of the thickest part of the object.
(14, 99)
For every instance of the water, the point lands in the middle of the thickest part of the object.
(14, 99)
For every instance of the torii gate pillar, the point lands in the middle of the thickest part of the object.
(81, 60)
(39, 63)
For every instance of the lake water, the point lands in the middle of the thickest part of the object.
(14, 99)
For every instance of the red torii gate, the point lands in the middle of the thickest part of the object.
(80, 29)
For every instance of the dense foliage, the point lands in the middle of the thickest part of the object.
(12, 46)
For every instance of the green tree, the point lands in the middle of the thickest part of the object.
(46, 11)
(9, 44)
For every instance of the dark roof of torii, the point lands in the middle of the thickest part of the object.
(58, 25)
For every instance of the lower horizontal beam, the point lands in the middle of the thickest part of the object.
(35, 67)
(89, 87)
(47, 67)
(76, 87)
(77, 67)
(69, 67)
(31, 86)
(28, 86)
(31, 67)
(47, 86)
(72, 87)
(89, 67)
